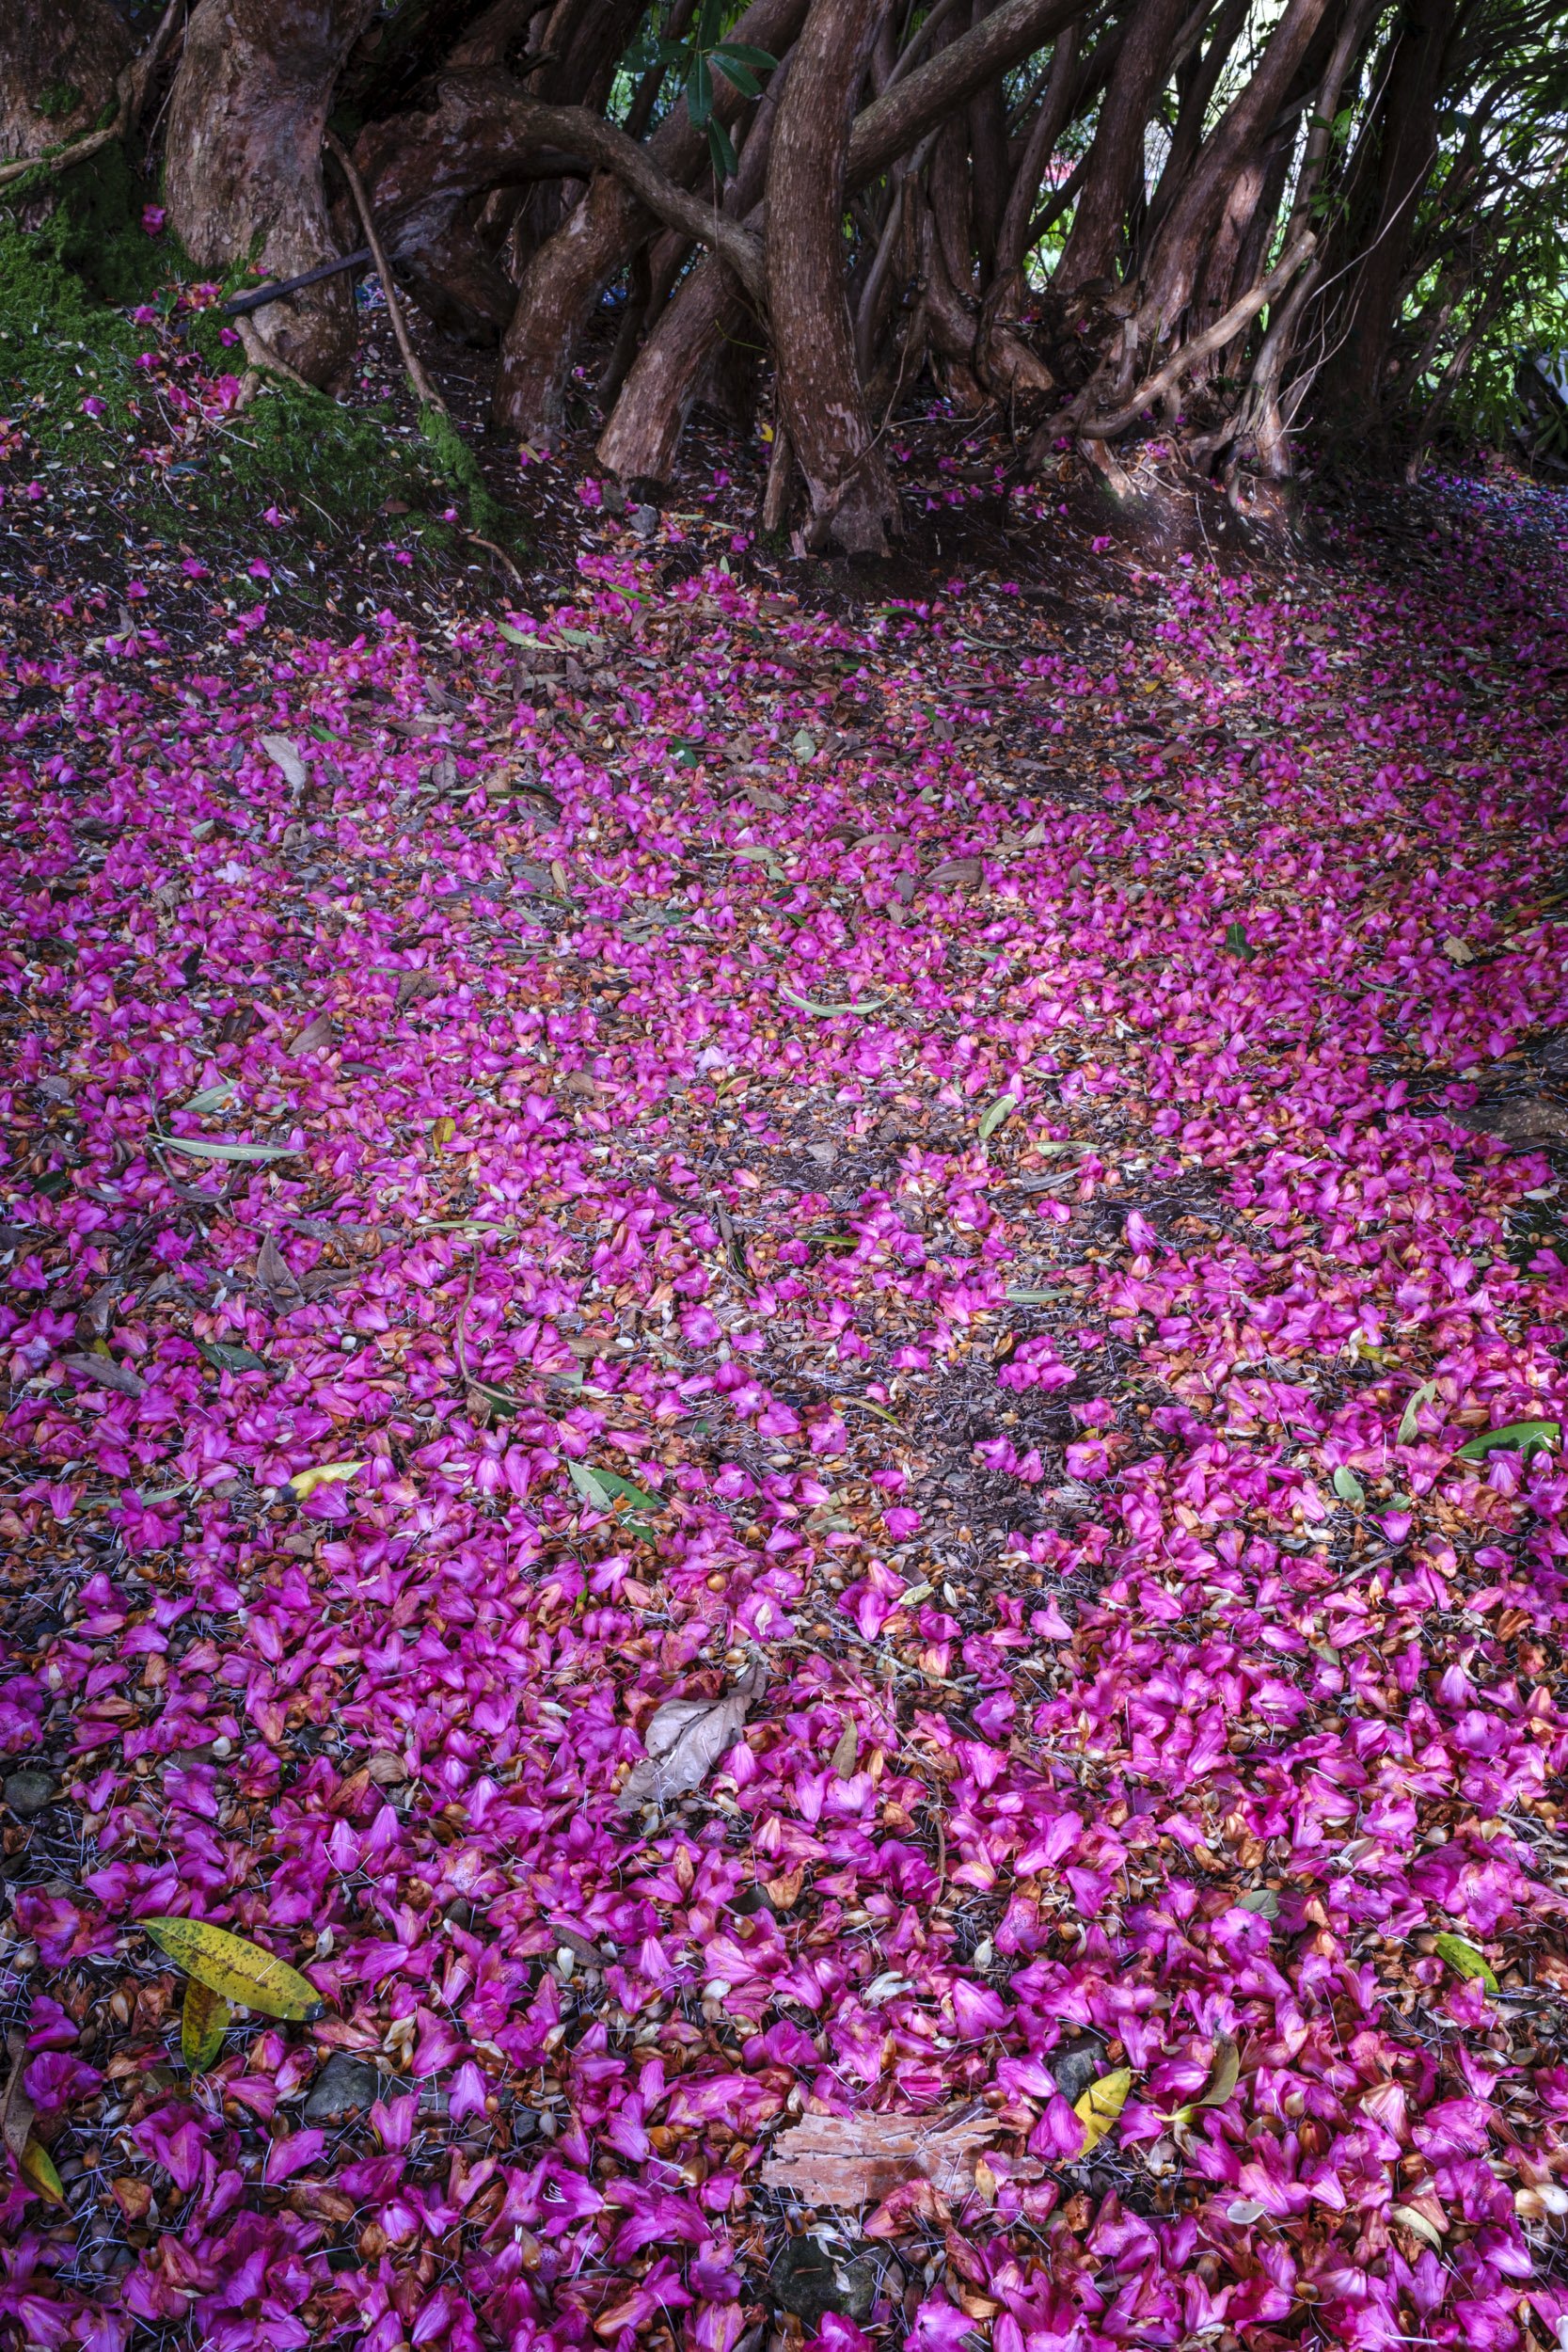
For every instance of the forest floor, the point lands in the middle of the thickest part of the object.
(960, 1175)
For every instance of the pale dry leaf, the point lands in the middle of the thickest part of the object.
(16, 2108)
(273, 1273)
(107, 1373)
(860, 2159)
(284, 755)
(314, 1036)
(684, 1739)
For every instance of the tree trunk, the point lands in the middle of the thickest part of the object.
(243, 175)
(566, 277)
(1353, 378)
(852, 498)
(1116, 155)
(639, 443)
(1179, 248)
(687, 344)
(1055, 109)
(987, 146)
(59, 63)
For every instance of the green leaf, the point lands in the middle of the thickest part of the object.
(1347, 1487)
(228, 1356)
(1464, 1959)
(736, 71)
(515, 636)
(1035, 1298)
(1237, 941)
(1002, 1108)
(211, 1098)
(743, 53)
(198, 1148)
(809, 1004)
(603, 1488)
(699, 93)
(726, 163)
(802, 744)
(1408, 1431)
(1523, 1437)
(304, 1481)
(39, 2166)
(241, 1971)
(1261, 1899)
(1100, 2105)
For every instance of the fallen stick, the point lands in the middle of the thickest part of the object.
(238, 305)
(424, 391)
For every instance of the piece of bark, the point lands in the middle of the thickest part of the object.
(859, 2159)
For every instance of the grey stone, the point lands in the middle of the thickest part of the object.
(810, 2279)
(643, 520)
(345, 2086)
(29, 1792)
(1074, 2065)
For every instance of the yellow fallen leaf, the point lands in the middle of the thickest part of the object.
(1223, 2074)
(442, 1133)
(241, 1971)
(39, 2166)
(1100, 2105)
(203, 2023)
(304, 1481)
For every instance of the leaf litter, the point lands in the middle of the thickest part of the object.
(1133, 1898)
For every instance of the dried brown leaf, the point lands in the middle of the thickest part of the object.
(273, 1273)
(956, 873)
(686, 1738)
(107, 1373)
(315, 1035)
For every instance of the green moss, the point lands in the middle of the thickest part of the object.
(456, 464)
(64, 338)
(57, 100)
(57, 345)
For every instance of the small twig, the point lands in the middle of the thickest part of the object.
(424, 391)
(473, 537)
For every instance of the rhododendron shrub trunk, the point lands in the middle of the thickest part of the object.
(821, 404)
(1096, 225)
(244, 178)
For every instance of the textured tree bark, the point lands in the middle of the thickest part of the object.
(852, 498)
(58, 68)
(1117, 155)
(1197, 87)
(639, 443)
(1177, 250)
(988, 147)
(243, 175)
(1350, 384)
(567, 276)
(1055, 109)
(918, 100)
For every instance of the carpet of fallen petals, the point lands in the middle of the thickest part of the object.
(957, 1183)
